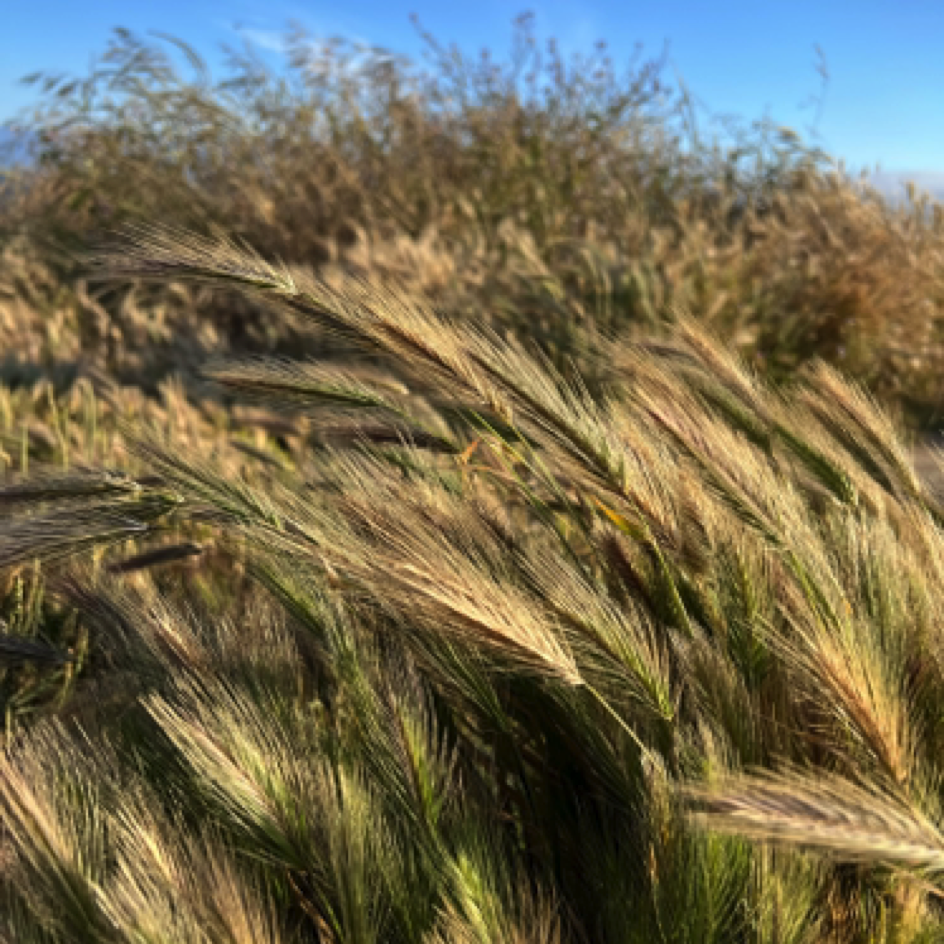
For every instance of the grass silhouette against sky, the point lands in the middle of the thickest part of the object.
(881, 104)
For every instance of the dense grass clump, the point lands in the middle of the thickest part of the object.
(491, 659)
(394, 546)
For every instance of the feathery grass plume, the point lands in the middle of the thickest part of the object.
(616, 647)
(78, 486)
(863, 671)
(158, 253)
(58, 534)
(719, 377)
(697, 888)
(146, 639)
(764, 416)
(822, 462)
(848, 820)
(169, 633)
(245, 762)
(561, 413)
(363, 310)
(316, 819)
(862, 428)
(728, 465)
(272, 658)
(167, 885)
(123, 616)
(503, 381)
(760, 496)
(18, 925)
(465, 681)
(290, 382)
(789, 889)
(411, 760)
(313, 387)
(53, 815)
(746, 594)
(715, 688)
(487, 907)
(506, 382)
(376, 435)
(663, 402)
(443, 591)
(405, 747)
(205, 482)
(442, 570)
(584, 446)
(428, 345)
(724, 365)
(302, 592)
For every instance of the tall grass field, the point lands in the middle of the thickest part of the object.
(461, 504)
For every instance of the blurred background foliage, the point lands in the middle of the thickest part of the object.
(556, 199)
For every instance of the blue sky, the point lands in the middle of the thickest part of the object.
(883, 103)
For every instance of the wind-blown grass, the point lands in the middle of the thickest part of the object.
(651, 663)
(482, 542)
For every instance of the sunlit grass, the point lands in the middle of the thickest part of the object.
(430, 511)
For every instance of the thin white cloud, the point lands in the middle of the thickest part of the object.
(263, 38)
(262, 35)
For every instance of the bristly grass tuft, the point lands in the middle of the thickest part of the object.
(431, 559)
